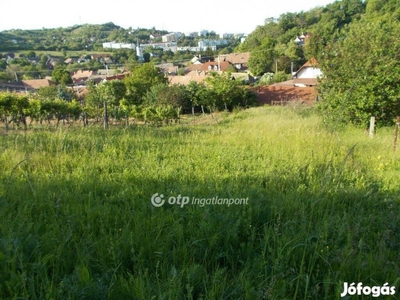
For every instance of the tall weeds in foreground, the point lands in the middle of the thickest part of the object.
(77, 221)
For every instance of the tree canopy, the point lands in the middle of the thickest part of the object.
(362, 74)
(141, 80)
(275, 39)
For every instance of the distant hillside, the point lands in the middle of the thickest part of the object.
(78, 37)
(287, 42)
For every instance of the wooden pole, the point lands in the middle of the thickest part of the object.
(396, 133)
(105, 115)
(371, 127)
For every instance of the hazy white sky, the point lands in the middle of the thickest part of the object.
(220, 16)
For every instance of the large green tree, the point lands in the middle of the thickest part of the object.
(198, 95)
(362, 74)
(61, 76)
(13, 108)
(228, 92)
(387, 8)
(141, 80)
(110, 93)
(165, 101)
(262, 57)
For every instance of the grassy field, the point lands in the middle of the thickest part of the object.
(77, 221)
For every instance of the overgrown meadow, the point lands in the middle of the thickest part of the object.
(77, 221)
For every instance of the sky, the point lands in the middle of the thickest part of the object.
(223, 16)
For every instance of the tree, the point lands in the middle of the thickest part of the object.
(47, 92)
(93, 107)
(387, 8)
(3, 64)
(209, 52)
(141, 80)
(197, 95)
(61, 76)
(13, 108)
(262, 57)
(166, 100)
(31, 54)
(6, 103)
(228, 91)
(362, 72)
(110, 94)
(42, 63)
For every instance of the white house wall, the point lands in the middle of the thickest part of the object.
(309, 73)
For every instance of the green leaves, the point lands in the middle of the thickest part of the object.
(61, 75)
(142, 79)
(84, 274)
(112, 91)
(262, 57)
(362, 71)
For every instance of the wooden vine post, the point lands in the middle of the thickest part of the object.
(396, 133)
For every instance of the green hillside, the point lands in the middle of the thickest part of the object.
(78, 37)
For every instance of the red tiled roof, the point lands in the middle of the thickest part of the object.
(236, 58)
(37, 83)
(222, 64)
(185, 80)
(195, 67)
(82, 74)
(116, 77)
(311, 63)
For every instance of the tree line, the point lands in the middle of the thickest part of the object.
(144, 96)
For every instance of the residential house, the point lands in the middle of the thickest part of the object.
(216, 66)
(51, 62)
(102, 58)
(300, 40)
(185, 80)
(201, 66)
(30, 85)
(300, 89)
(168, 68)
(199, 72)
(238, 60)
(70, 60)
(199, 59)
(308, 74)
(80, 76)
(35, 84)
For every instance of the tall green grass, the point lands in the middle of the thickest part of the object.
(77, 221)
